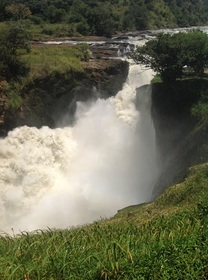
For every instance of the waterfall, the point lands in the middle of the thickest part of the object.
(69, 176)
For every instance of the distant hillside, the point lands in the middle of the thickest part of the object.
(96, 17)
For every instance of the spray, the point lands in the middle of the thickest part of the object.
(70, 176)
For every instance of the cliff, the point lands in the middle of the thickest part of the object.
(181, 138)
(51, 99)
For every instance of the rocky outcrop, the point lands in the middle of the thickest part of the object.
(51, 100)
(181, 138)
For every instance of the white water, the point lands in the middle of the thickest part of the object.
(75, 175)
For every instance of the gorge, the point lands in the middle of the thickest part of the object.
(100, 152)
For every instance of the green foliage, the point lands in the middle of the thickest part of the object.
(96, 17)
(136, 16)
(55, 30)
(156, 79)
(47, 30)
(18, 11)
(160, 15)
(200, 109)
(195, 51)
(188, 13)
(166, 239)
(85, 51)
(55, 15)
(50, 60)
(169, 54)
(101, 20)
(17, 37)
(14, 100)
(82, 27)
(12, 39)
(162, 55)
(10, 64)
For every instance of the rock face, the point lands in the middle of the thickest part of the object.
(181, 138)
(52, 100)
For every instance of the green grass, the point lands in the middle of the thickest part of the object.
(47, 30)
(156, 79)
(14, 101)
(45, 64)
(51, 60)
(3, 26)
(166, 239)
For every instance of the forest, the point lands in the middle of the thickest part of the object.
(104, 18)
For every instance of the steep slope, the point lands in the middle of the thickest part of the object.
(181, 138)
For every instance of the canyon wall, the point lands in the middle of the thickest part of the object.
(52, 99)
(181, 137)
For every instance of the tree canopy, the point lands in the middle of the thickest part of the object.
(12, 39)
(103, 17)
(169, 54)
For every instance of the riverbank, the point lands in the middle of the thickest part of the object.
(56, 80)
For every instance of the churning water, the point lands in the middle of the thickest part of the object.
(74, 175)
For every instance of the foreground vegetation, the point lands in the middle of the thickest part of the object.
(166, 239)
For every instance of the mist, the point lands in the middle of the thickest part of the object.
(71, 176)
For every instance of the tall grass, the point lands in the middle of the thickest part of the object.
(167, 239)
(51, 60)
(14, 100)
(47, 30)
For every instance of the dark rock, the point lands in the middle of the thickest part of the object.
(52, 100)
(180, 136)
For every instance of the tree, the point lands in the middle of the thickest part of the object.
(195, 50)
(12, 39)
(17, 37)
(18, 11)
(160, 14)
(85, 51)
(136, 17)
(101, 20)
(168, 54)
(162, 55)
(54, 14)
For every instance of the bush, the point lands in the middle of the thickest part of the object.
(14, 100)
(200, 109)
(85, 51)
(12, 39)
